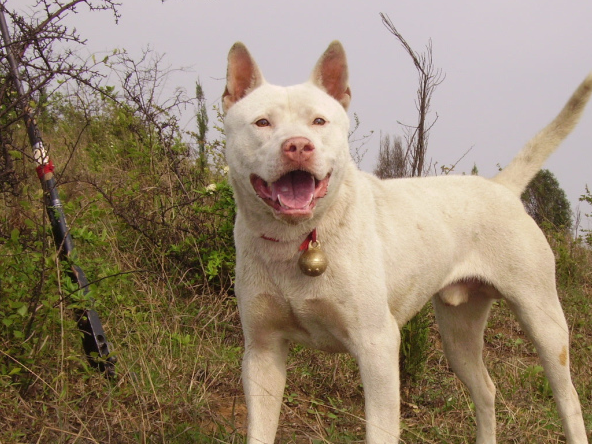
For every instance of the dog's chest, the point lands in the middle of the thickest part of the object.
(320, 322)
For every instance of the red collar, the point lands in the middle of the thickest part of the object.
(312, 237)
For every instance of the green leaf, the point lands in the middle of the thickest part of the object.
(23, 310)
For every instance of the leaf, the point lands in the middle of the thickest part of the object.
(23, 310)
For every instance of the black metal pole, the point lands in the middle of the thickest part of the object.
(94, 341)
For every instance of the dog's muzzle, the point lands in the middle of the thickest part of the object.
(294, 194)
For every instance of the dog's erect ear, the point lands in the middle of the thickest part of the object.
(331, 75)
(242, 76)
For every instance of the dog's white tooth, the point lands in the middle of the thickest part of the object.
(279, 198)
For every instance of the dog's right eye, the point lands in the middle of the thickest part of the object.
(262, 122)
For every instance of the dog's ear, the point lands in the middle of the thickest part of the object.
(242, 76)
(330, 74)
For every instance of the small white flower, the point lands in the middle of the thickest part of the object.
(226, 169)
(211, 187)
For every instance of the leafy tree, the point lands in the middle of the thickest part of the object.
(546, 201)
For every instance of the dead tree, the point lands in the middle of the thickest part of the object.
(417, 135)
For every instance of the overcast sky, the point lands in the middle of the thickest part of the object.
(510, 65)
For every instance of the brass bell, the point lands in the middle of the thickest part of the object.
(313, 261)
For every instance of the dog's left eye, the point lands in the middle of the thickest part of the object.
(262, 122)
(319, 121)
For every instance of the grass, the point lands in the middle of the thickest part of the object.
(178, 382)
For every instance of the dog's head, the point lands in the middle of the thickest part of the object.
(286, 146)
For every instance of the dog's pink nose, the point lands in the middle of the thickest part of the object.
(298, 149)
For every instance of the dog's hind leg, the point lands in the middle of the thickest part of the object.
(544, 322)
(461, 328)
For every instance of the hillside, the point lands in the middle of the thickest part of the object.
(153, 232)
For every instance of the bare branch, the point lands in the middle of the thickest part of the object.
(417, 135)
(43, 69)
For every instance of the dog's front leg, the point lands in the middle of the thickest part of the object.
(378, 360)
(264, 379)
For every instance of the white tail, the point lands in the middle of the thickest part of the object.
(522, 169)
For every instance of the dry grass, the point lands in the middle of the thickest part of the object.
(178, 381)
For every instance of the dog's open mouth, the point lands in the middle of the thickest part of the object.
(293, 194)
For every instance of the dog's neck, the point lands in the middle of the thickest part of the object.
(312, 237)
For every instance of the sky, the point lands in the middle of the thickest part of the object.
(510, 65)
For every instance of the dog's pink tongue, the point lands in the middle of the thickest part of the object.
(294, 190)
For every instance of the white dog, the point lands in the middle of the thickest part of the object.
(389, 247)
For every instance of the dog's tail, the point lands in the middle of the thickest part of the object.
(522, 169)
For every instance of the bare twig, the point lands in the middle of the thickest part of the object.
(417, 136)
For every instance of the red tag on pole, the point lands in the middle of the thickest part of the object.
(42, 170)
